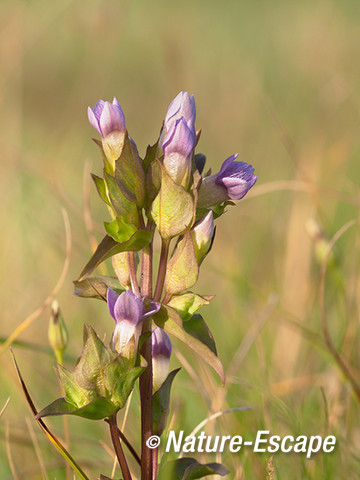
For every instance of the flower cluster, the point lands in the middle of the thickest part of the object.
(166, 192)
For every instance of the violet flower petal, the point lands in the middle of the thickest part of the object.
(128, 307)
(112, 296)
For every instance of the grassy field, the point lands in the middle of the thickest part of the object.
(277, 82)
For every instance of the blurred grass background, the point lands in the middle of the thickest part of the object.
(277, 82)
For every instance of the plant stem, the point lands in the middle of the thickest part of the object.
(127, 443)
(118, 448)
(162, 269)
(146, 408)
(146, 266)
(132, 268)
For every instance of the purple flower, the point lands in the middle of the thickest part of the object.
(183, 105)
(178, 150)
(232, 183)
(107, 117)
(128, 311)
(161, 352)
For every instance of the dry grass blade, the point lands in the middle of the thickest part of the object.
(57, 444)
(8, 452)
(329, 343)
(37, 449)
(29, 320)
(4, 407)
(214, 416)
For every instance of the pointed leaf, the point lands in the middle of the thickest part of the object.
(153, 182)
(182, 270)
(90, 368)
(129, 173)
(101, 188)
(198, 328)
(96, 287)
(168, 319)
(123, 208)
(161, 400)
(97, 409)
(74, 394)
(120, 230)
(109, 247)
(188, 303)
(125, 385)
(189, 469)
(172, 209)
(150, 154)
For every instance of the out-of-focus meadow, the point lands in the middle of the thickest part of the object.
(277, 82)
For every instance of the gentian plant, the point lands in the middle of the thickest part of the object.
(165, 193)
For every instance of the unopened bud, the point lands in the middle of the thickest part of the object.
(161, 352)
(202, 234)
(57, 333)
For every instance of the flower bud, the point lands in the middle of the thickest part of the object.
(183, 105)
(232, 183)
(128, 312)
(178, 150)
(202, 234)
(57, 333)
(161, 352)
(109, 120)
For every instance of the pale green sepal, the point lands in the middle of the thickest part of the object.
(189, 303)
(173, 208)
(182, 270)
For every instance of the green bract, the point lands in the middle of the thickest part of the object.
(100, 384)
(173, 208)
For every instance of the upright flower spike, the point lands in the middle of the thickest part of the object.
(109, 120)
(232, 182)
(178, 148)
(202, 233)
(128, 312)
(161, 352)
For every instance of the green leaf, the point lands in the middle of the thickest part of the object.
(172, 209)
(161, 400)
(182, 270)
(198, 328)
(217, 210)
(153, 182)
(168, 319)
(129, 174)
(74, 393)
(120, 230)
(115, 369)
(189, 469)
(109, 247)
(125, 385)
(188, 303)
(97, 409)
(96, 287)
(150, 154)
(123, 208)
(90, 368)
(101, 188)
